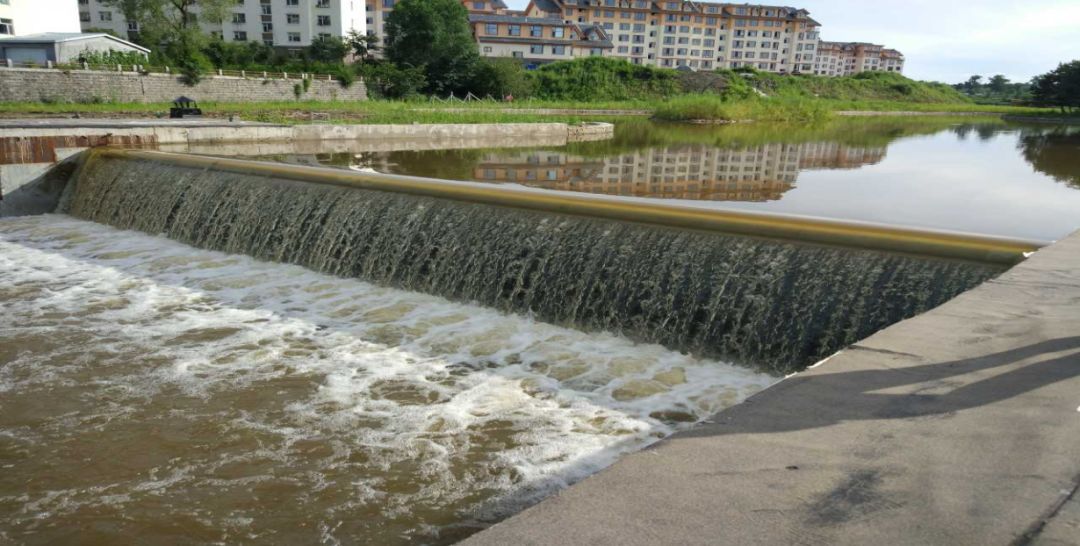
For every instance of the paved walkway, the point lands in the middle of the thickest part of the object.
(103, 123)
(960, 426)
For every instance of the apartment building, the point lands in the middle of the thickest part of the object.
(697, 35)
(25, 17)
(284, 24)
(674, 34)
(847, 58)
(536, 40)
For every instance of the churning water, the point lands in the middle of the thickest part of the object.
(152, 390)
(780, 306)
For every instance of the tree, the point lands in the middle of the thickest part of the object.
(973, 84)
(998, 83)
(363, 46)
(1059, 87)
(171, 28)
(435, 35)
(327, 49)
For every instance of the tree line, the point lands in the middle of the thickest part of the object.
(1059, 88)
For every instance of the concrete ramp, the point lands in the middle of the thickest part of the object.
(959, 426)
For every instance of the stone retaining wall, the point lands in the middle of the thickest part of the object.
(52, 85)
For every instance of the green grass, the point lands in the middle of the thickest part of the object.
(714, 108)
(683, 107)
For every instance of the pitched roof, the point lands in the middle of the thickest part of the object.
(58, 37)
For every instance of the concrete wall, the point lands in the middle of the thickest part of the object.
(32, 84)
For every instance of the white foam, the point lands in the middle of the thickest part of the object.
(478, 405)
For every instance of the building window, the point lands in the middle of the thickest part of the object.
(515, 30)
(239, 18)
(557, 32)
(133, 26)
(84, 16)
(536, 31)
(268, 27)
(487, 49)
(491, 29)
(292, 2)
(294, 37)
(536, 49)
(322, 3)
(323, 21)
(239, 36)
(293, 18)
(105, 16)
(7, 26)
(558, 50)
(517, 55)
(267, 9)
(478, 5)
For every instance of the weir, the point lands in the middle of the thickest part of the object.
(774, 292)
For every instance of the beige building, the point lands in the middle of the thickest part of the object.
(847, 58)
(673, 34)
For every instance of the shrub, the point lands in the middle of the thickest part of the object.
(389, 81)
(602, 78)
(501, 77)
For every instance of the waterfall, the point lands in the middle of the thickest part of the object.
(775, 305)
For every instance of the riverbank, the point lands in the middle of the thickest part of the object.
(426, 112)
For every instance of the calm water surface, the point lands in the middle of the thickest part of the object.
(984, 176)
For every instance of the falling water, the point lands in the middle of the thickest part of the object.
(776, 305)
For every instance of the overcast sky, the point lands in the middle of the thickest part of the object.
(949, 40)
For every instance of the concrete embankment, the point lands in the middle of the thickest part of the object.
(187, 132)
(1044, 119)
(871, 113)
(29, 148)
(958, 426)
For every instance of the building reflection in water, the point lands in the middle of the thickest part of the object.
(759, 173)
(687, 171)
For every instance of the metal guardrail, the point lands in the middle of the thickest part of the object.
(147, 69)
(924, 242)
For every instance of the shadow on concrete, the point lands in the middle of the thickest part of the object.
(41, 194)
(936, 390)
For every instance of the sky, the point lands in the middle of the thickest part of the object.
(949, 40)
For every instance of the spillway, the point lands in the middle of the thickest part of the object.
(693, 281)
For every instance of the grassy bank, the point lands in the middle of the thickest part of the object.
(685, 107)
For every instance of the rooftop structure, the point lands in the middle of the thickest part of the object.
(61, 47)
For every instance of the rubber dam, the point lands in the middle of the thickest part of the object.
(406, 359)
(688, 281)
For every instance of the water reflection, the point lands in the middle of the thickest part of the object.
(755, 173)
(969, 174)
(1054, 151)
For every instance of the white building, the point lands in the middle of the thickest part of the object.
(24, 17)
(280, 23)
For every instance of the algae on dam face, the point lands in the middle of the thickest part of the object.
(776, 305)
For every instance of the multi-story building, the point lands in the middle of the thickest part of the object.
(280, 23)
(25, 17)
(847, 58)
(675, 33)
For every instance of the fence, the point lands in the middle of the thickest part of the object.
(147, 69)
